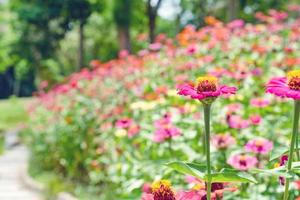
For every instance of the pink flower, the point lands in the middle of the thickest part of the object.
(238, 23)
(242, 162)
(165, 129)
(259, 145)
(223, 141)
(259, 102)
(191, 195)
(155, 46)
(206, 87)
(255, 119)
(147, 188)
(233, 108)
(237, 122)
(288, 87)
(192, 49)
(123, 53)
(124, 123)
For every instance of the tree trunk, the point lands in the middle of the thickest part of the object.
(233, 9)
(152, 27)
(152, 14)
(124, 38)
(81, 46)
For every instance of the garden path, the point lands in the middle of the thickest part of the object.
(12, 164)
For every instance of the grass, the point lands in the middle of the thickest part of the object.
(13, 112)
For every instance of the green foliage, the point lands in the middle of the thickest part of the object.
(13, 112)
(199, 171)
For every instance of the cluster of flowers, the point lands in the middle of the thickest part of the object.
(125, 97)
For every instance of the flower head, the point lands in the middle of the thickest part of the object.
(259, 102)
(223, 141)
(165, 129)
(288, 87)
(242, 161)
(259, 145)
(206, 89)
(237, 122)
(255, 119)
(124, 123)
(282, 161)
(162, 190)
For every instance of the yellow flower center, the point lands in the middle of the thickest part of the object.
(157, 184)
(294, 79)
(206, 84)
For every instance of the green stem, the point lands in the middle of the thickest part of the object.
(207, 144)
(292, 147)
(297, 148)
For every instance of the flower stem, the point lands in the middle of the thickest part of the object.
(292, 147)
(207, 144)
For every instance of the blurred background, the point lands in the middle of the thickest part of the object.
(48, 40)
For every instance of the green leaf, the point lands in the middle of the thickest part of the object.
(193, 169)
(231, 175)
(280, 171)
(225, 175)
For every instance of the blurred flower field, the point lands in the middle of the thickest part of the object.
(118, 127)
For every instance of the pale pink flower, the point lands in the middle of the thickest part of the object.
(237, 122)
(223, 141)
(259, 102)
(242, 161)
(259, 146)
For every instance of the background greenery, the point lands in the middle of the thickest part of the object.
(48, 40)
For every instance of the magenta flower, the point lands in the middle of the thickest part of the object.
(205, 88)
(191, 49)
(124, 123)
(242, 162)
(288, 87)
(259, 146)
(259, 102)
(255, 119)
(282, 161)
(223, 141)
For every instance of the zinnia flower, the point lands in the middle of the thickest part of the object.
(161, 190)
(124, 123)
(286, 86)
(259, 145)
(165, 129)
(255, 119)
(259, 102)
(223, 141)
(242, 162)
(282, 161)
(237, 122)
(206, 89)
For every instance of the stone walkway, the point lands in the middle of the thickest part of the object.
(12, 164)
